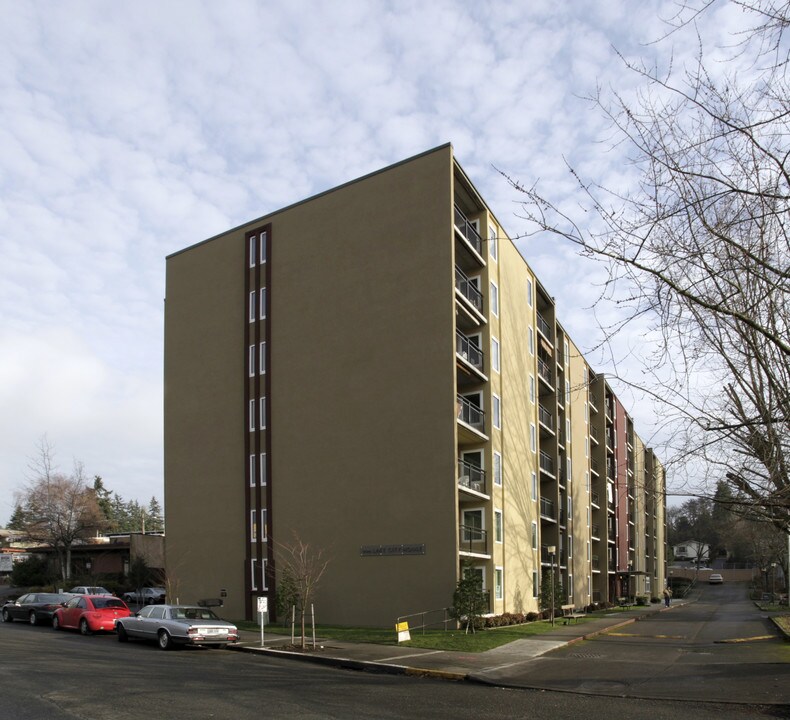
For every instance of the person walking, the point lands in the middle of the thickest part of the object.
(667, 595)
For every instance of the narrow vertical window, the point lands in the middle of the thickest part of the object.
(535, 586)
(263, 469)
(492, 242)
(497, 468)
(570, 470)
(529, 292)
(252, 415)
(531, 341)
(253, 526)
(533, 440)
(251, 360)
(252, 471)
(567, 391)
(262, 358)
(566, 350)
(587, 481)
(568, 431)
(498, 526)
(494, 299)
(570, 587)
(264, 584)
(263, 523)
(252, 250)
(263, 413)
(498, 591)
(570, 546)
(496, 409)
(254, 574)
(534, 535)
(263, 303)
(252, 306)
(264, 249)
(534, 485)
(495, 354)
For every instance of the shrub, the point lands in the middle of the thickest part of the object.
(532, 616)
(655, 600)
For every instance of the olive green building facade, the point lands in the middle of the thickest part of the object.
(377, 371)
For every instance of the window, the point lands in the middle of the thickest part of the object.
(568, 432)
(570, 587)
(570, 545)
(586, 447)
(587, 481)
(497, 468)
(263, 468)
(253, 574)
(534, 535)
(492, 242)
(253, 526)
(252, 245)
(566, 350)
(534, 485)
(588, 549)
(498, 526)
(258, 570)
(496, 411)
(570, 471)
(263, 413)
(498, 583)
(473, 525)
(263, 523)
(263, 303)
(532, 389)
(264, 249)
(567, 391)
(533, 440)
(252, 415)
(495, 354)
(588, 517)
(494, 299)
(529, 292)
(251, 360)
(252, 470)
(262, 358)
(252, 306)
(570, 508)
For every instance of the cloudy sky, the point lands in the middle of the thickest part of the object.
(129, 130)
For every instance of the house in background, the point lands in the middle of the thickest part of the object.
(378, 371)
(692, 551)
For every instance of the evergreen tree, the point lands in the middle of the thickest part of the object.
(469, 600)
(18, 519)
(104, 499)
(154, 521)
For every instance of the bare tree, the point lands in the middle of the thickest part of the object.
(58, 509)
(700, 247)
(301, 568)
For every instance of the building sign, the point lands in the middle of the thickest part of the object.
(382, 550)
(6, 562)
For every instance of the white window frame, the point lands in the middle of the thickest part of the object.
(570, 587)
(570, 546)
(473, 510)
(253, 577)
(251, 361)
(253, 471)
(569, 469)
(253, 306)
(264, 248)
(494, 299)
(567, 431)
(534, 535)
(589, 556)
(531, 340)
(529, 292)
(253, 526)
(262, 301)
(496, 411)
(253, 243)
(497, 468)
(587, 481)
(498, 527)
(533, 438)
(494, 354)
(262, 469)
(493, 245)
(567, 391)
(264, 517)
(262, 358)
(499, 582)
(532, 395)
(535, 584)
(253, 419)
(262, 412)
(566, 349)
(534, 490)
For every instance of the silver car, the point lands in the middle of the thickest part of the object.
(171, 625)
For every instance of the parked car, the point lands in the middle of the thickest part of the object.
(715, 579)
(171, 625)
(89, 590)
(90, 613)
(146, 596)
(35, 608)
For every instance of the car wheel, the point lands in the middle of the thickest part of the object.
(84, 628)
(33, 618)
(6, 616)
(165, 642)
(55, 622)
(122, 635)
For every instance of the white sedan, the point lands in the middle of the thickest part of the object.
(715, 579)
(171, 625)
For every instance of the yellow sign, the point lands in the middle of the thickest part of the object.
(402, 629)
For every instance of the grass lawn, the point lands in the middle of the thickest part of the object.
(784, 622)
(432, 639)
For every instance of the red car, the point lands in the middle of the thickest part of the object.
(90, 613)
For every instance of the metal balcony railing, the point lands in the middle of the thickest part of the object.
(546, 462)
(547, 508)
(595, 498)
(594, 434)
(468, 289)
(594, 530)
(594, 466)
(471, 477)
(473, 539)
(470, 414)
(544, 327)
(596, 563)
(468, 231)
(466, 349)
(545, 417)
(544, 371)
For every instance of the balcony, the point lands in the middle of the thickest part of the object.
(544, 372)
(546, 558)
(596, 563)
(471, 355)
(595, 531)
(547, 509)
(472, 540)
(591, 402)
(594, 434)
(472, 420)
(545, 418)
(544, 328)
(471, 477)
(594, 467)
(468, 233)
(595, 499)
(546, 463)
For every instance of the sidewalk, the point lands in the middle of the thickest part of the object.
(448, 665)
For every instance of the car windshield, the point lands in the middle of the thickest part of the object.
(108, 602)
(192, 613)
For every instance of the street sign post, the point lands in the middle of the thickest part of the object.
(263, 608)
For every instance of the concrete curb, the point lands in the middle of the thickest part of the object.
(781, 630)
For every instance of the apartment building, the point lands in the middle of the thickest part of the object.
(377, 371)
